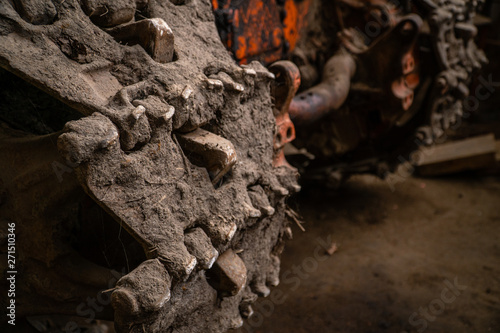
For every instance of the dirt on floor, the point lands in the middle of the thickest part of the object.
(423, 256)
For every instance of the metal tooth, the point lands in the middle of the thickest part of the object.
(220, 231)
(231, 85)
(133, 291)
(266, 75)
(236, 322)
(215, 255)
(281, 190)
(270, 75)
(261, 289)
(273, 276)
(269, 210)
(237, 87)
(138, 112)
(252, 212)
(249, 72)
(199, 245)
(190, 266)
(110, 140)
(178, 260)
(273, 280)
(296, 188)
(228, 82)
(259, 199)
(232, 232)
(214, 84)
(170, 113)
(186, 92)
(246, 311)
(125, 302)
(162, 300)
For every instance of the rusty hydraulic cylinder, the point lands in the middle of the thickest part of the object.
(329, 95)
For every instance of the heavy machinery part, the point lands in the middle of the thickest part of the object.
(283, 90)
(370, 72)
(260, 30)
(127, 193)
(314, 103)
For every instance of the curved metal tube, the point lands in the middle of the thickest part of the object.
(329, 95)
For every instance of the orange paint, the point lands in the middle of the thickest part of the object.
(241, 50)
(254, 29)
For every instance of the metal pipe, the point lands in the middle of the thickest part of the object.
(329, 95)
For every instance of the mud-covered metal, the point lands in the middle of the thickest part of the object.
(147, 160)
(147, 153)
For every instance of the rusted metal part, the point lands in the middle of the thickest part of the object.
(403, 87)
(208, 150)
(154, 35)
(362, 21)
(395, 69)
(329, 95)
(260, 30)
(228, 275)
(387, 65)
(283, 90)
(285, 134)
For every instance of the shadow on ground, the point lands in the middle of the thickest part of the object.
(422, 258)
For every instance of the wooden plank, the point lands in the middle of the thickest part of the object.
(469, 154)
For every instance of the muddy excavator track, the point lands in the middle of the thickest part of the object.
(169, 158)
(144, 166)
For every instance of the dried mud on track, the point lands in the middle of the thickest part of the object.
(396, 250)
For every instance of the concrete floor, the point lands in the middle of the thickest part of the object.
(423, 256)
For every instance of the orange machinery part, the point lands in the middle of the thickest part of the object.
(260, 30)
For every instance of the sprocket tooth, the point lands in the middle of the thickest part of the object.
(246, 310)
(85, 136)
(134, 128)
(214, 84)
(156, 108)
(109, 13)
(228, 82)
(219, 231)
(273, 275)
(252, 212)
(260, 288)
(199, 245)
(176, 258)
(236, 323)
(260, 200)
(261, 72)
(145, 289)
(247, 300)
